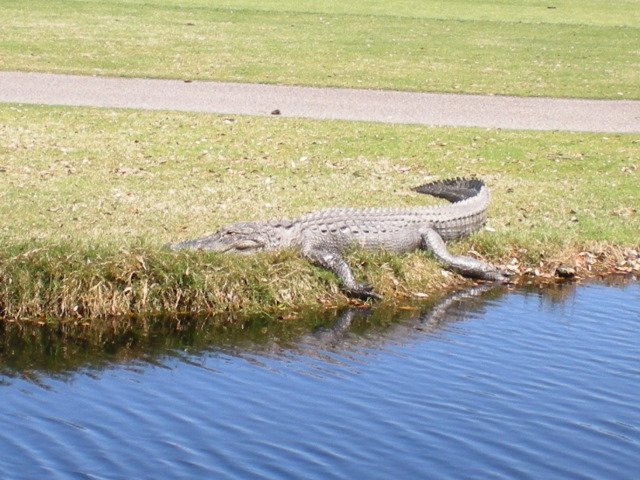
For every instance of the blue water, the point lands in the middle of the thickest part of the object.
(522, 385)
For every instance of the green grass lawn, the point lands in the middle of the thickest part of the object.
(517, 47)
(88, 197)
(114, 176)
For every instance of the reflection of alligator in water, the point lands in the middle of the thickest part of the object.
(31, 351)
(453, 308)
(60, 350)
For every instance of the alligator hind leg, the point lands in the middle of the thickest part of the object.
(465, 266)
(332, 259)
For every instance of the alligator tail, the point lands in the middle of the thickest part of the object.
(452, 189)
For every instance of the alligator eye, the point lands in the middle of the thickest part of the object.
(246, 246)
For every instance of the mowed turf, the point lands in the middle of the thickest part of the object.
(567, 49)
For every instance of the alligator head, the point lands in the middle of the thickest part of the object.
(243, 238)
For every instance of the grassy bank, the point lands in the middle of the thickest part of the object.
(89, 196)
(514, 47)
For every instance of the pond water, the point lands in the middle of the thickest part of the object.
(492, 384)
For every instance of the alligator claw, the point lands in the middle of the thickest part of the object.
(363, 291)
(496, 275)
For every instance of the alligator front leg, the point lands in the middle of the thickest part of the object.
(465, 266)
(332, 259)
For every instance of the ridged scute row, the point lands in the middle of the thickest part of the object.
(398, 229)
(452, 189)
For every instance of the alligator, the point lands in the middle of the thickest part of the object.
(323, 236)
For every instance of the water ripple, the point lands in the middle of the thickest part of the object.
(519, 386)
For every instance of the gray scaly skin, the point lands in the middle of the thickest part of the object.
(322, 236)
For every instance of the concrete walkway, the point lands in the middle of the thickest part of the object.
(607, 116)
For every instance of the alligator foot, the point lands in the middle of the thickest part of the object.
(465, 266)
(482, 271)
(363, 291)
(332, 259)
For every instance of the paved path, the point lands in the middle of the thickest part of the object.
(616, 116)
